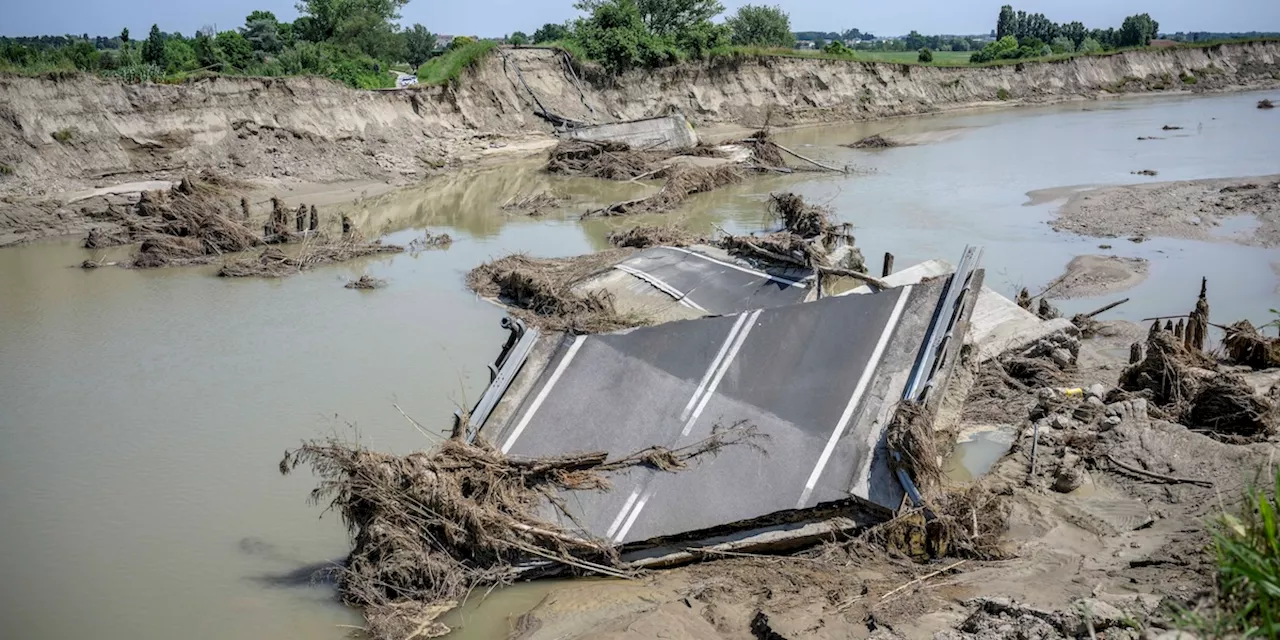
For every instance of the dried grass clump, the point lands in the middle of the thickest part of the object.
(911, 442)
(645, 236)
(1245, 345)
(192, 223)
(971, 522)
(275, 263)
(876, 141)
(682, 182)
(428, 527)
(542, 291)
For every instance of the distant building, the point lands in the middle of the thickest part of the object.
(443, 42)
(805, 44)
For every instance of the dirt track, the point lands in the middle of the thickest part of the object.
(1192, 209)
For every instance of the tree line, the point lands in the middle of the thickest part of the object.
(1023, 35)
(352, 41)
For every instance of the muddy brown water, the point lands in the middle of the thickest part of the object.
(142, 413)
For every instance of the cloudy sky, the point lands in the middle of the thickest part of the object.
(499, 17)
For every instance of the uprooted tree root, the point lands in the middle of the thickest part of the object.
(366, 282)
(810, 238)
(542, 291)
(648, 235)
(429, 527)
(682, 182)
(1244, 345)
(193, 223)
(275, 263)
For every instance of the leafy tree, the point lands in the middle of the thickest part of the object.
(925, 56)
(1076, 32)
(1062, 44)
(234, 49)
(205, 50)
(914, 41)
(1138, 31)
(124, 35)
(179, 55)
(518, 38)
(368, 25)
(261, 15)
(1089, 45)
(263, 33)
(153, 48)
(698, 40)
(288, 37)
(961, 44)
(761, 26)
(419, 43)
(614, 33)
(84, 56)
(672, 17)
(1004, 24)
(550, 33)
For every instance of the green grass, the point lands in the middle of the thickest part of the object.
(1002, 93)
(448, 68)
(5, 170)
(1187, 78)
(1247, 547)
(64, 134)
(940, 58)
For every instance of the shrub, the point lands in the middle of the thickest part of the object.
(1089, 45)
(925, 55)
(837, 48)
(136, 73)
(6, 170)
(1002, 93)
(460, 42)
(449, 67)
(1187, 78)
(64, 135)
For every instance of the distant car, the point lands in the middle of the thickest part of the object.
(407, 81)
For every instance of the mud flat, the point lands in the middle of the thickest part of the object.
(1095, 275)
(1191, 209)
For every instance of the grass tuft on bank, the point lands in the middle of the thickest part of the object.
(448, 68)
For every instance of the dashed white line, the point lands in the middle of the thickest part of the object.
(546, 390)
(617, 522)
(634, 514)
(661, 285)
(872, 363)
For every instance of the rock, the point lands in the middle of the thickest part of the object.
(1061, 357)
(1097, 390)
(1045, 393)
(1060, 421)
(1112, 421)
(1103, 615)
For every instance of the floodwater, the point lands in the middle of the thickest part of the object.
(143, 413)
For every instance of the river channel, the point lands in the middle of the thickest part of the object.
(143, 413)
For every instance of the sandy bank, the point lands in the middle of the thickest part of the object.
(1191, 209)
(1087, 276)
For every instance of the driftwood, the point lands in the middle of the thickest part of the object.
(811, 160)
(1158, 476)
(1106, 308)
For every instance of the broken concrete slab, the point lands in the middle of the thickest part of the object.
(667, 133)
(998, 324)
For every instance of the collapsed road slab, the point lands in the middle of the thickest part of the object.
(675, 283)
(666, 133)
(820, 380)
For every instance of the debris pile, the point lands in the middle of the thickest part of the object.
(430, 240)
(649, 235)
(193, 223)
(876, 141)
(541, 290)
(534, 205)
(1245, 345)
(682, 182)
(810, 238)
(1265, 104)
(428, 527)
(275, 263)
(614, 160)
(366, 282)
(764, 151)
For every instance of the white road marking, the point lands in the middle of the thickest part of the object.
(661, 285)
(617, 522)
(714, 366)
(786, 281)
(546, 390)
(632, 519)
(858, 391)
(724, 367)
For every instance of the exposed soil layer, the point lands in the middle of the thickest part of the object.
(1190, 209)
(1088, 276)
(311, 130)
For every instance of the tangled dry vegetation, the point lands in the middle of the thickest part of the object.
(366, 281)
(810, 238)
(681, 182)
(541, 291)
(535, 205)
(429, 527)
(614, 160)
(273, 262)
(645, 236)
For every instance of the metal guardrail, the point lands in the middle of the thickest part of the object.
(938, 339)
(501, 373)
